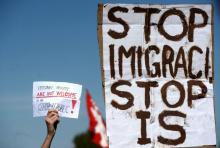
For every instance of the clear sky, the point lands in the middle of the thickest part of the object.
(56, 40)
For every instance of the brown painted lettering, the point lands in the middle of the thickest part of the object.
(167, 59)
(207, 63)
(191, 75)
(113, 18)
(139, 57)
(155, 64)
(181, 90)
(112, 60)
(147, 61)
(131, 52)
(148, 12)
(122, 94)
(183, 21)
(174, 127)
(147, 86)
(192, 25)
(191, 95)
(143, 115)
(180, 55)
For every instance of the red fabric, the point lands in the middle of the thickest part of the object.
(97, 125)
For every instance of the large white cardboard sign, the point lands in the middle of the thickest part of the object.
(157, 72)
(62, 96)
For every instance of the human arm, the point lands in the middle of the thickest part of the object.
(51, 120)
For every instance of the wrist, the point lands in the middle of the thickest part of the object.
(51, 132)
(50, 135)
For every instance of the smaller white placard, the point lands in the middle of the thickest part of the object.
(62, 96)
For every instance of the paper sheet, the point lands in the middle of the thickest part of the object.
(62, 96)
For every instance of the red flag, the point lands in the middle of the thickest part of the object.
(97, 125)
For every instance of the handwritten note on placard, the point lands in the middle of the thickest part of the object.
(62, 96)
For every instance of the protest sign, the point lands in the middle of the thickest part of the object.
(62, 96)
(157, 73)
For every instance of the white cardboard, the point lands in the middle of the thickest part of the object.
(123, 127)
(62, 96)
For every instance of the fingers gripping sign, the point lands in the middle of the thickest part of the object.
(52, 119)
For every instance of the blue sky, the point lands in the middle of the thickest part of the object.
(56, 40)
